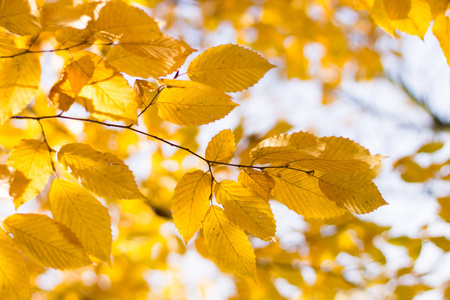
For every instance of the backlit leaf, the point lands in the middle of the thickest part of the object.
(19, 83)
(14, 277)
(102, 173)
(16, 17)
(228, 244)
(397, 9)
(221, 148)
(46, 241)
(33, 164)
(441, 30)
(76, 208)
(192, 103)
(257, 181)
(246, 209)
(229, 68)
(191, 202)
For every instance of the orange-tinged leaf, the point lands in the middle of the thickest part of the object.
(257, 181)
(46, 241)
(19, 83)
(33, 164)
(246, 209)
(229, 68)
(192, 103)
(397, 9)
(102, 173)
(228, 244)
(14, 277)
(286, 148)
(221, 148)
(84, 215)
(441, 30)
(61, 95)
(191, 202)
(16, 17)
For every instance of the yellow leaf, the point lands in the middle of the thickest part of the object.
(300, 192)
(441, 30)
(16, 17)
(19, 83)
(285, 148)
(77, 209)
(228, 244)
(33, 164)
(46, 241)
(221, 148)
(7, 45)
(438, 7)
(431, 147)
(118, 21)
(229, 68)
(247, 209)
(192, 103)
(191, 202)
(14, 277)
(354, 192)
(257, 181)
(61, 95)
(102, 173)
(154, 58)
(444, 212)
(397, 9)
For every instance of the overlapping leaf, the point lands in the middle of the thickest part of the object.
(191, 202)
(229, 68)
(246, 209)
(17, 18)
(397, 9)
(192, 103)
(228, 244)
(221, 148)
(33, 164)
(102, 173)
(77, 209)
(46, 241)
(257, 181)
(14, 277)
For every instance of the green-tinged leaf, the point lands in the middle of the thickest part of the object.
(258, 182)
(19, 83)
(229, 68)
(191, 202)
(228, 244)
(16, 17)
(102, 173)
(300, 192)
(354, 192)
(221, 148)
(431, 147)
(46, 241)
(192, 103)
(286, 148)
(14, 277)
(247, 209)
(33, 164)
(77, 209)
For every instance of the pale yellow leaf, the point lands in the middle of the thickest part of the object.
(354, 192)
(46, 241)
(191, 202)
(228, 244)
(33, 164)
(441, 30)
(16, 17)
(192, 103)
(14, 276)
(301, 193)
(7, 45)
(19, 83)
(154, 58)
(397, 9)
(75, 39)
(221, 148)
(246, 209)
(84, 215)
(257, 181)
(102, 173)
(118, 21)
(229, 68)
(286, 148)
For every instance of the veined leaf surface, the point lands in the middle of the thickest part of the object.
(16, 17)
(258, 182)
(221, 148)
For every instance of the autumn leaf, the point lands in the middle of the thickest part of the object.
(46, 241)
(258, 182)
(16, 17)
(228, 244)
(191, 202)
(221, 148)
(441, 30)
(229, 68)
(14, 276)
(77, 209)
(102, 173)
(397, 9)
